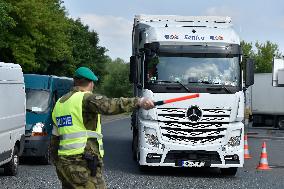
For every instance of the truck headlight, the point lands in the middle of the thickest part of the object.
(151, 137)
(38, 130)
(235, 139)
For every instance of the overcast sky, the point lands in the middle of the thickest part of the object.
(254, 20)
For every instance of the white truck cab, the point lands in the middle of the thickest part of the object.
(174, 56)
(12, 116)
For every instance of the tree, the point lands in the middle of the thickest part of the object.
(85, 48)
(39, 35)
(116, 82)
(247, 49)
(263, 55)
(6, 22)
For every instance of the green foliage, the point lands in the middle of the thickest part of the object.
(85, 49)
(6, 22)
(263, 55)
(116, 82)
(38, 37)
(247, 49)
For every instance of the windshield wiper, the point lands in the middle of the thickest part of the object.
(183, 86)
(166, 81)
(220, 87)
(226, 89)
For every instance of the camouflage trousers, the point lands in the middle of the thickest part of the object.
(74, 173)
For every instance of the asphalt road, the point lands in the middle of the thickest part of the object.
(122, 172)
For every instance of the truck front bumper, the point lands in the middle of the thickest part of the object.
(215, 157)
(36, 146)
(217, 154)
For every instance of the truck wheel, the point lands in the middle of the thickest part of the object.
(281, 123)
(46, 159)
(229, 171)
(134, 146)
(11, 168)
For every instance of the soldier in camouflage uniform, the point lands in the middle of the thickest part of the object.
(73, 170)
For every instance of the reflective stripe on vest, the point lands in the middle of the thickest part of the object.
(89, 134)
(72, 146)
(100, 141)
(72, 132)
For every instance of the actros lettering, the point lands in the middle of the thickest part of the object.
(194, 37)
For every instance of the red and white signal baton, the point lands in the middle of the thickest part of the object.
(158, 103)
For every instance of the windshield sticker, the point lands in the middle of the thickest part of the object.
(174, 36)
(220, 38)
(64, 121)
(36, 109)
(194, 37)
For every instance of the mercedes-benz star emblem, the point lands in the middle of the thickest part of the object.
(194, 113)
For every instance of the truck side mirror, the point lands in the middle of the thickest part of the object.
(249, 72)
(278, 73)
(133, 69)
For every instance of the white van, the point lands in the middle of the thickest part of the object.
(12, 116)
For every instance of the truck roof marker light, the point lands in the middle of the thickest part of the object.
(158, 103)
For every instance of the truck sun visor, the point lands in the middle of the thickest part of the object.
(230, 49)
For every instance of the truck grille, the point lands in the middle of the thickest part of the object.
(176, 127)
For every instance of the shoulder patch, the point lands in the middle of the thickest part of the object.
(98, 97)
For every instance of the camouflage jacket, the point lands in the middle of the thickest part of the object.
(93, 105)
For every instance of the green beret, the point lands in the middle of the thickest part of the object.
(84, 72)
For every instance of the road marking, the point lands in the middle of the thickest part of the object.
(267, 137)
(276, 166)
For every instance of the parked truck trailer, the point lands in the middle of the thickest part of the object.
(267, 102)
(174, 56)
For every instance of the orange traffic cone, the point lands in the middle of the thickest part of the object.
(263, 164)
(246, 148)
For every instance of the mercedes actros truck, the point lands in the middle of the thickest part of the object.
(175, 56)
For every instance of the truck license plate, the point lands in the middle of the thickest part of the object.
(192, 164)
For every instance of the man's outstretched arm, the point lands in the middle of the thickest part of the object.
(104, 105)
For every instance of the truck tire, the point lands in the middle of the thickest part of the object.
(134, 145)
(229, 171)
(134, 136)
(281, 123)
(11, 168)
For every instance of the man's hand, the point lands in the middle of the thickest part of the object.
(146, 103)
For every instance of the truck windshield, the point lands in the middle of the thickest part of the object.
(200, 70)
(37, 100)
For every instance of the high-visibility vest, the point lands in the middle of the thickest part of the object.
(68, 118)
